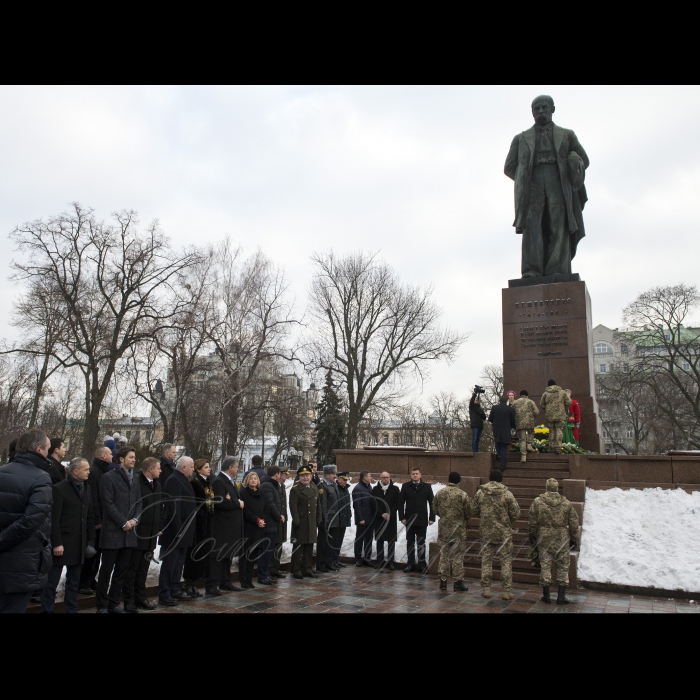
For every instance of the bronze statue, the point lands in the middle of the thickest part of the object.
(548, 165)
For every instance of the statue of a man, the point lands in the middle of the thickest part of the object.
(548, 165)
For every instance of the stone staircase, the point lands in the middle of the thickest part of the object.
(526, 482)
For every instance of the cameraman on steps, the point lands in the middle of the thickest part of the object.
(477, 416)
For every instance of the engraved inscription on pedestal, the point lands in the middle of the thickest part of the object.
(546, 338)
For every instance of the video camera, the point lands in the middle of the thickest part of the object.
(479, 390)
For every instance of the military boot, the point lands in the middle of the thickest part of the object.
(507, 595)
(545, 595)
(459, 586)
(443, 584)
(531, 449)
(523, 458)
(561, 598)
(486, 592)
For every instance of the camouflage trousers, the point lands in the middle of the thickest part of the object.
(560, 557)
(525, 439)
(556, 431)
(452, 558)
(504, 550)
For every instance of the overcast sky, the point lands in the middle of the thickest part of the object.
(414, 173)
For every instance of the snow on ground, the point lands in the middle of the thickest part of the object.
(647, 538)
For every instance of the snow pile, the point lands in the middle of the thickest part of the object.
(648, 538)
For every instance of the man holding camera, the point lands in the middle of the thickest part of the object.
(477, 416)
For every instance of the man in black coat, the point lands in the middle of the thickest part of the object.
(57, 452)
(121, 511)
(178, 533)
(269, 488)
(342, 519)
(502, 416)
(387, 496)
(282, 527)
(364, 508)
(150, 525)
(25, 522)
(416, 513)
(328, 497)
(227, 528)
(100, 466)
(167, 462)
(72, 531)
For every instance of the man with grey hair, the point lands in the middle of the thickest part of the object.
(227, 528)
(328, 496)
(25, 522)
(72, 534)
(178, 535)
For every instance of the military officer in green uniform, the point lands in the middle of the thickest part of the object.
(306, 514)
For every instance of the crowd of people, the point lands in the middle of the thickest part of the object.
(103, 522)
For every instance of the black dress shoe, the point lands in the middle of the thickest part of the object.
(101, 611)
(229, 587)
(280, 575)
(340, 564)
(311, 574)
(265, 581)
(130, 608)
(391, 567)
(213, 591)
(168, 602)
(181, 596)
(116, 611)
(323, 570)
(299, 577)
(358, 562)
(424, 569)
(86, 591)
(367, 562)
(246, 585)
(145, 605)
(409, 568)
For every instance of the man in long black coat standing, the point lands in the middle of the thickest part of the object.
(25, 522)
(502, 416)
(282, 528)
(121, 506)
(364, 511)
(387, 495)
(416, 513)
(72, 531)
(100, 466)
(149, 527)
(178, 534)
(227, 528)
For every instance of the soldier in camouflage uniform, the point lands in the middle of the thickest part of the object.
(525, 416)
(553, 528)
(451, 505)
(498, 510)
(555, 402)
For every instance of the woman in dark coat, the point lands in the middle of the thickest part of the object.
(477, 416)
(254, 513)
(197, 566)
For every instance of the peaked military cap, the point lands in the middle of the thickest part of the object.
(343, 475)
(304, 470)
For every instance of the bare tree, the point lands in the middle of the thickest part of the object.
(668, 354)
(371, 331)
(492, 380)
(112, 282)
(449, 421)
(252, 322)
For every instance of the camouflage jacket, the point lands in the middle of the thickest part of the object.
(451, 505)
(555, 402)
(552, 519)
(498, 510)
(525, 413)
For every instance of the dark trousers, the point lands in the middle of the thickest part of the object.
(324, 548)
(415, 535)
(91, 565)
(219, 570)
(476, 438)
(115, 565)
(268, 547)
(302, 558)
(276, 559)
(135, 583)
(247, 561)
(502, 452)
(337, 537)
(171, 573)
(363, 542)
(196, 563)
(70, 596)
(15, 602)
(391, 548)
(546, 240)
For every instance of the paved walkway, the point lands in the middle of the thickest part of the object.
(363, 590)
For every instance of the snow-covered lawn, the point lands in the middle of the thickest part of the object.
(647, 538)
